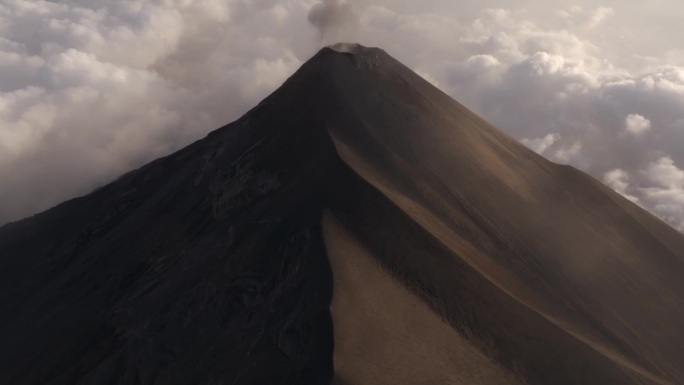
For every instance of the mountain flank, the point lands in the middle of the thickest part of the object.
(358, 226)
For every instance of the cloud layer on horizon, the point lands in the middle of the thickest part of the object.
(93, 89)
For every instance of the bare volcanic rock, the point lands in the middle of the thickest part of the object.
(358, 226)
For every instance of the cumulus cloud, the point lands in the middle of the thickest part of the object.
(657, 187)
(637, 124)
(664, 174)
(618, 180)
(665, 192)
(94, 88)
(565, 154)
(540, 145)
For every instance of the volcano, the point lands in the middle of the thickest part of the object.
(358, 226)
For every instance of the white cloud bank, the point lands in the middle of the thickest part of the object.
(91, 89)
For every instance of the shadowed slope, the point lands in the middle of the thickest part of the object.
(209, 266)
(204, 267)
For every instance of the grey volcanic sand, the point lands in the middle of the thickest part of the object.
(357, 221)
(384, 334)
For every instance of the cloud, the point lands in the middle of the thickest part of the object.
(637, 124)
(540, 145)
(658, 187)
(93, 89)
(565, 154)
(664, 174)
(665, 192)
(597, 16)
(618, 180)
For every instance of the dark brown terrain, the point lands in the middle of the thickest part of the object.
(359, 226)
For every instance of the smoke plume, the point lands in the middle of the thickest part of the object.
(334, 19)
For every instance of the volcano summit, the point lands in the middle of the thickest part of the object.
(358, 226)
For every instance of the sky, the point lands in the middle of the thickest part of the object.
(92, 89)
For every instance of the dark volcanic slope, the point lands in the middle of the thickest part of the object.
(210, 266)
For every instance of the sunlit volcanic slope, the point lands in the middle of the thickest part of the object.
(358, 223)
